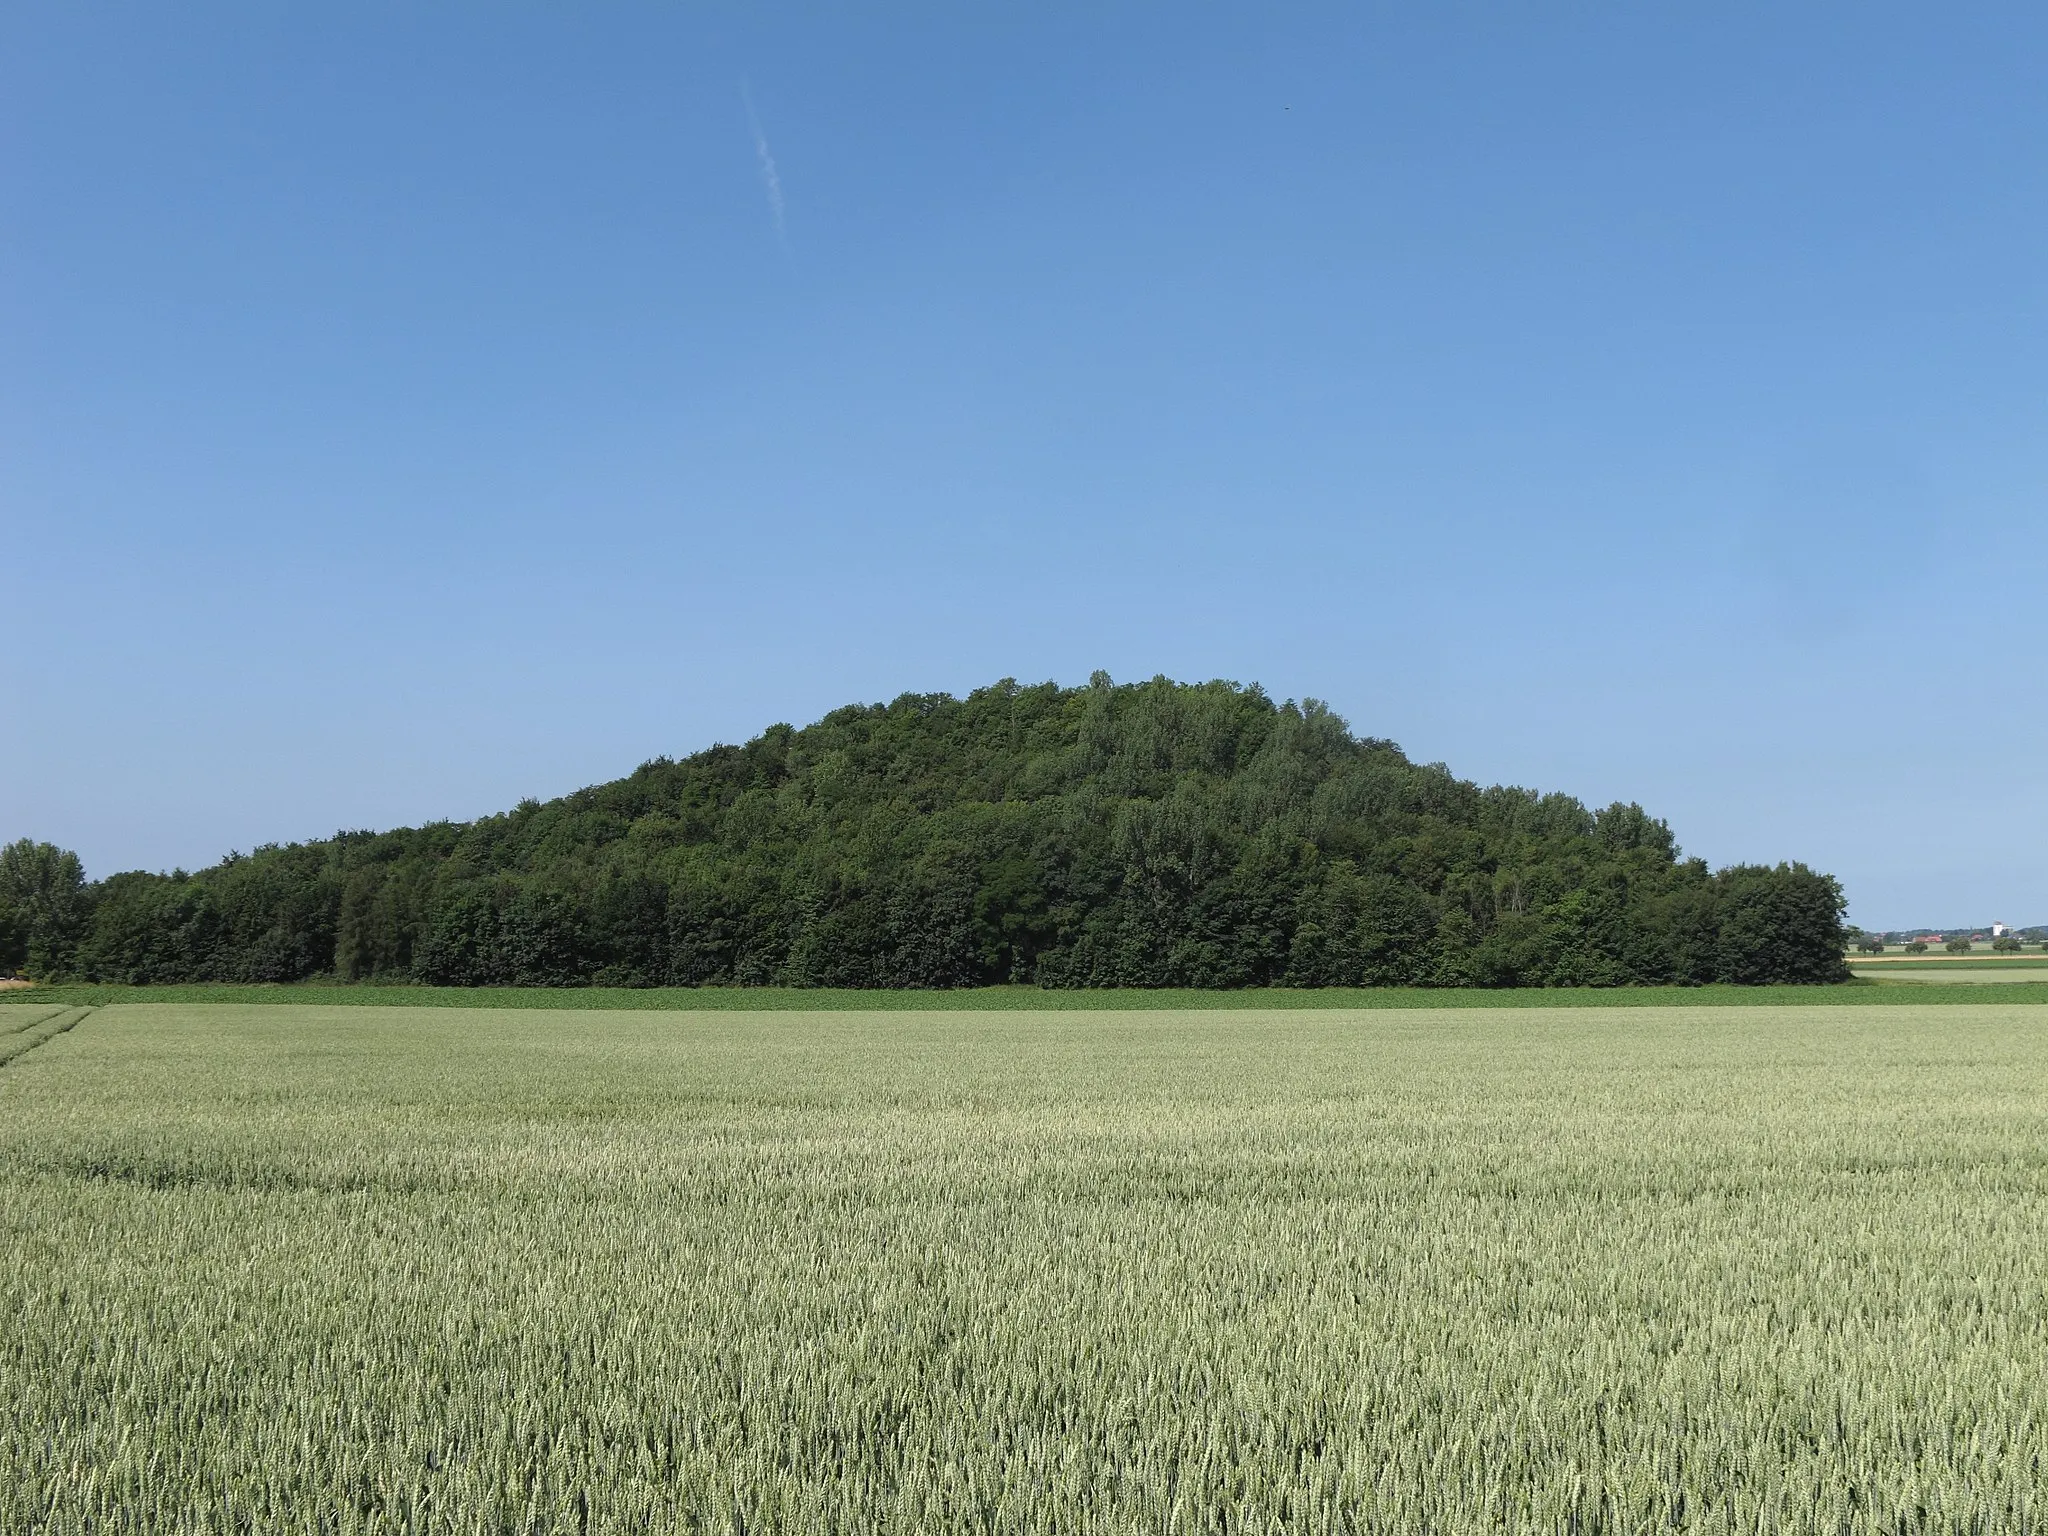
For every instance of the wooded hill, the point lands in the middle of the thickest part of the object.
(1156, 834)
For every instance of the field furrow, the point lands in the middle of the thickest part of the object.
(18, 1044)
(17, 1017)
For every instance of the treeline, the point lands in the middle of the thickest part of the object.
(1148, 835)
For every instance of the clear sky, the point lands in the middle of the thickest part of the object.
(404, 410)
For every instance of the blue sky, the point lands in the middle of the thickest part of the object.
(404, 410)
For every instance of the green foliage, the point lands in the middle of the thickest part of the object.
(43, 908)
(1917, 947)
(1958, 946)
(455, 1271)
(1150, 835)
(2006, 944)
(1778, 925)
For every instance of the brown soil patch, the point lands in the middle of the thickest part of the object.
(9, 983)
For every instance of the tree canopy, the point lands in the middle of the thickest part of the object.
(1152, 834)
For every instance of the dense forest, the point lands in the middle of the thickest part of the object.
(1147, 835)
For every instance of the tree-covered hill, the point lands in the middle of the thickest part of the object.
(1156, 834)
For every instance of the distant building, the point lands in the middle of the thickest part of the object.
(1999, 930)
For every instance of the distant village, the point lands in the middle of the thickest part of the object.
(1998, 938)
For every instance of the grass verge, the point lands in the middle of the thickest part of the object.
(983, 999)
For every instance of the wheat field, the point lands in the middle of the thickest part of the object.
(418, 1270)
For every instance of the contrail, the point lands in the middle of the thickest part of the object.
(769, 180)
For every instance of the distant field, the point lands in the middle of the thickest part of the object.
(433, 1270)
(2009, 976)
(1950, 970)
(1971, 962)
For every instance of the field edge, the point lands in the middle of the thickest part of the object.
(999, 999)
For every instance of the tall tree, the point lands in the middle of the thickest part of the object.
(43, 907)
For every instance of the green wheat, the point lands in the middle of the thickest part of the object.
(416, 1270)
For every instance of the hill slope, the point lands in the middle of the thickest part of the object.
(1157, 834)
